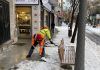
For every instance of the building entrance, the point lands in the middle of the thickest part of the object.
(23, 19)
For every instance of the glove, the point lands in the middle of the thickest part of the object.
(51, 41)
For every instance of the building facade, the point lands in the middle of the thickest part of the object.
(27, 17)
(31, 15)
(7, 21)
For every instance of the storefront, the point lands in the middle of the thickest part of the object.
(31, 15)
(47, 18)
(27, 17)
(47, 13)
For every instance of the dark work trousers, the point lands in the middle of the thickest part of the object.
(33, 47)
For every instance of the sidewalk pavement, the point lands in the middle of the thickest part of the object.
(52, 59)
(14, 54)
(17, 53)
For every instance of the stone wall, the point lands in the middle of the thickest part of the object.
(13, 30)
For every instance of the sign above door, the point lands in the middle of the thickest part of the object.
(27, 2)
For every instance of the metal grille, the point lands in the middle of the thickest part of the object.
(4, 21)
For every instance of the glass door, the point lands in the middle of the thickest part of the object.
(23, 18)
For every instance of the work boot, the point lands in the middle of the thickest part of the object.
(43, 59)
(30, 52)
(28, 56)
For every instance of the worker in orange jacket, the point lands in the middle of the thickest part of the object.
(39, 38)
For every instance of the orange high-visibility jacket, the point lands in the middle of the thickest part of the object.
(44, 33)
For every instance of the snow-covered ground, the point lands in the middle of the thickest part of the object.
(92, 54)
(92, 51)
(94, 30)
(51, 64)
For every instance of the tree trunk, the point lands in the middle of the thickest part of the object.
(75, 31)
(79, 61)
(72, 18)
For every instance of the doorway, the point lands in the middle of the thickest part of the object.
(23, 21)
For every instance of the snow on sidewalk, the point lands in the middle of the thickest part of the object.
(53, 62)
(92, 51)
(92, 55)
